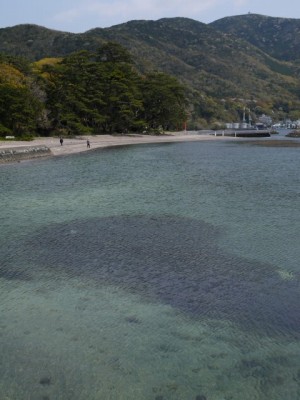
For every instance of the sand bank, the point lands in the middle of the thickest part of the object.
(11, 151)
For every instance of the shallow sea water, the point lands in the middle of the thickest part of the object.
(151, 272)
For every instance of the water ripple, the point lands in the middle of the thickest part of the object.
(174, 261)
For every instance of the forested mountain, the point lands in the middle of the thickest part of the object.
(35, 42)
(245, 61)
(278, 37)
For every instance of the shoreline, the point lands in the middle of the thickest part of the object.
(15, 151)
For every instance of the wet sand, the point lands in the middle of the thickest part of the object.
(79, 144)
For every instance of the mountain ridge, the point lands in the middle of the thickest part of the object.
(221, 60)
(279, 37)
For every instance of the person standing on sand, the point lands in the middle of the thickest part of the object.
(61, 141)
(88, 144)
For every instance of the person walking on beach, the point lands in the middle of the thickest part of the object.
(88, 144)
(61, 141)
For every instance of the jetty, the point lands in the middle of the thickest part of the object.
(244, 133)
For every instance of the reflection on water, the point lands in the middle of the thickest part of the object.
(151, 272)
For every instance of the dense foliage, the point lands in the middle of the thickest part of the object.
(278, 37)
(87, 93)
(248, 61)
(166, 71)
(19, 107)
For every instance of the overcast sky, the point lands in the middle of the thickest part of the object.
(82, 15)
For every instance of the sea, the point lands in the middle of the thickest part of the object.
(152, 272)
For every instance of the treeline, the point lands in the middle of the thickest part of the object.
(87, 93)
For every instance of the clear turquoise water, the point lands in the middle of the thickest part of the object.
(158, 272)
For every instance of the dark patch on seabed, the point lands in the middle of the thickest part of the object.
(175, 261)
(9, 273)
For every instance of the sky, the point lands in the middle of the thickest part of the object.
(81, 15)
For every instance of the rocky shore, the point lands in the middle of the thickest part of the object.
(294, 134)
(22, 153)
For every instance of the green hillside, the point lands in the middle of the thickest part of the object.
(249, 60)
(278, 37)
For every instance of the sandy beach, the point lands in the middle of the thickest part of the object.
(79, 144)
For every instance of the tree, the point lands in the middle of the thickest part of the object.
(164, 101)
(89, 93)
(123, 102)
(75, 94)
(114, 53)
(19, 108)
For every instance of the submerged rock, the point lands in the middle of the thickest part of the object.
(45, 380)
